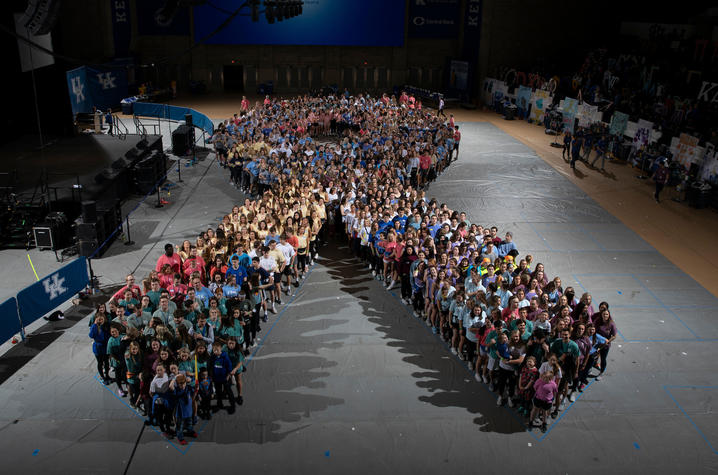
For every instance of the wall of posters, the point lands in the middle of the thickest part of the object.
(540, 100)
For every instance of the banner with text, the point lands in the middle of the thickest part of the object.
(433, 18)
(90, 87)
(52, 291)
(121, 27)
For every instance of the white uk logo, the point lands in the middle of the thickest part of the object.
(54, 286)
(107, 80)
(78, 89)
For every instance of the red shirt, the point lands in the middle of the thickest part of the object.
(245, 104)
(194, 264)
(457, 136)
(175, 262)
(424, 162)
(136, 292)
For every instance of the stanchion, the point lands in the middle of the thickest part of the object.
(179, 170)
(159, 200)
(129, 239)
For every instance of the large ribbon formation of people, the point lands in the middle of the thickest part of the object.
(355, 169)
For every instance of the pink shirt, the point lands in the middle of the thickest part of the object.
(545, 391)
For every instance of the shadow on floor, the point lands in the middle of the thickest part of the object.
(447, 382)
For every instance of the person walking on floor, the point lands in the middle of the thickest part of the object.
(660, 176)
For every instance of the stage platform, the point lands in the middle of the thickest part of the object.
(347, 381)
(64, 159)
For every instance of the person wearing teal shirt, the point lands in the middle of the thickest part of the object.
(164, 312)
(236, 356)
(523, 314)
(231, 326)
(116, 352)
(154, 294)
(133, 363)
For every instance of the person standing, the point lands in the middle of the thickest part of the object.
(660, 176)
(566, 146)
(441, 108)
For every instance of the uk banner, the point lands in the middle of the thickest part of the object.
(121, 27)
(52, 291)
(90, 87)
(9, 323)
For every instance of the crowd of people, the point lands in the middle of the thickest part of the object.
(356, 168)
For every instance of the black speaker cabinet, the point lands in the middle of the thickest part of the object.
(44, 238)
(89, 211)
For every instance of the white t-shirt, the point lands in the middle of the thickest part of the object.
(287, 251)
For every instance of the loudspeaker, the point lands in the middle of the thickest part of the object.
(181, 140)
(142, 144)
(43, 237)
(188, 120)
(90, 231)
(119, 164)
(87, 248)
(89, 211)
(132, 154)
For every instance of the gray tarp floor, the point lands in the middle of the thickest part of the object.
(347, 381)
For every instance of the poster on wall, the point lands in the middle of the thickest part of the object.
(523, 97)
(540, 100)
(643, 133)
(709, 165)
(687, 150)
(568, 120)
(619, 121)
(569, 106)
(459, 75)
(587, 114)
(500, 91)
(487, 93)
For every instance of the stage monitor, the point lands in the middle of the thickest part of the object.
(322, 22)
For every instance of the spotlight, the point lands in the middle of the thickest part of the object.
(254, 5)
(269, 10)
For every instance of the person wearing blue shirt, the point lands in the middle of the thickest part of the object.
(201, 292)
(506, 246)
(236, 270)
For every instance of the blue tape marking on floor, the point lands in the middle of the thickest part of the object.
(327, 453)
(537, 232)
(665, 388)
(590, 236)
(619, 292)
(635, 444)
(35, 452)
(199, 432)
(513, 413)
(650, 292)
(565, 411)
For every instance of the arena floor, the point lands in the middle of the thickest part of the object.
(347, 381)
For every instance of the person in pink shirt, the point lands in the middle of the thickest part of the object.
(245, 104)
(169, 257)
(194, 263)
(546, 390)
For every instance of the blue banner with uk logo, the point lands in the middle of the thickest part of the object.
(52, 291)
(89, 87)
